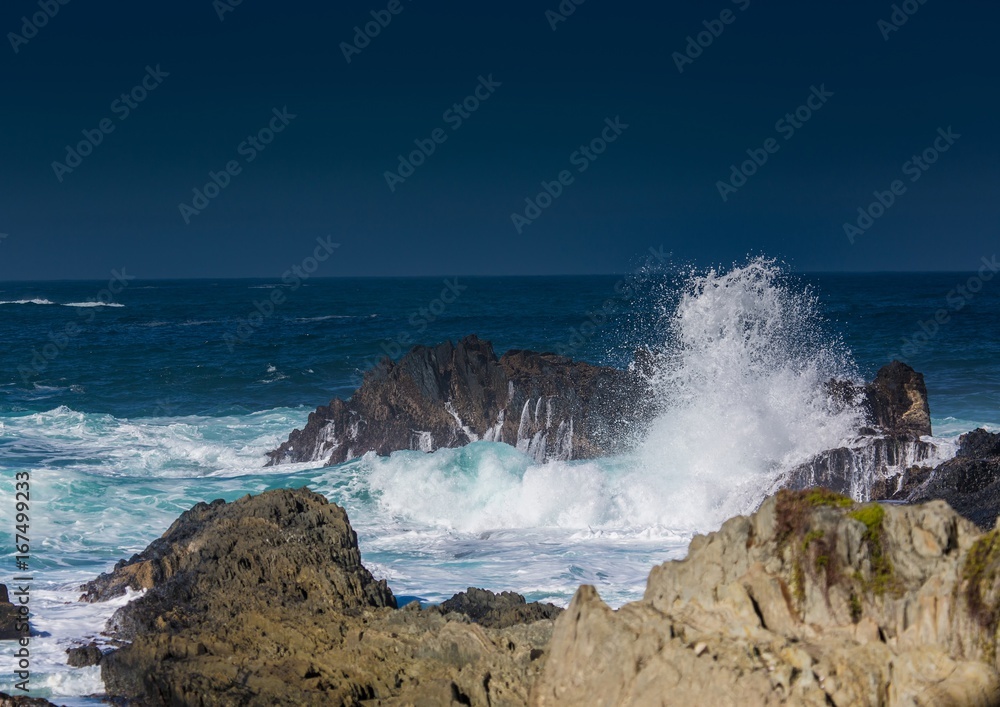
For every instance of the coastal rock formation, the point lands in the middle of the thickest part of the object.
(264, 601)
(969, 482)
(548, 406)
(876, 463)
(814, 600)
(497, 610)
(287, 541)
(10, 620)
(84, 656)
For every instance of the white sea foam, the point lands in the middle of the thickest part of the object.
(39, 301)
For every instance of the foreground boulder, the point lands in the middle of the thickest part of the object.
(548, 406)
(814, 600)
(264, 601)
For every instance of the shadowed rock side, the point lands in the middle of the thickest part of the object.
(12, 623)
(264, 601)
(548, 406)
(814, 600)
(875, 463)
(969, 482)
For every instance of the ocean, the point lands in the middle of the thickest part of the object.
(128, 401)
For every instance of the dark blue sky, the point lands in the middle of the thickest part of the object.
(656, 184)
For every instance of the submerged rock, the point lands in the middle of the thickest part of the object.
(548, 406)
(265, 601)
(812, 600)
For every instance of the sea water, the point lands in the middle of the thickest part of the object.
(127, 411)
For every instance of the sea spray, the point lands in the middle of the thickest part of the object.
(740, 380)
(740, 388)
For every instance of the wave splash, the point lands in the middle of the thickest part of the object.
(741, 390)
(739, 381)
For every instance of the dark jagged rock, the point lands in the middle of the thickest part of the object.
(969, 482)
(897, 401)
(10, 618)
(83, 656)
(888, 448)
(549, 406)
(497, 610)
(264, 601)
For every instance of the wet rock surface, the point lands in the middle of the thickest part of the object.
(549, 406)
(877, 463)
(969, 482)
(265, 601)
(9, 618)
(84, 656)
(814, 600)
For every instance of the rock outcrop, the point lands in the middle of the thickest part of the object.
(877, 462)
(497, 610)
(84, 656)
(969, 482)
(548, 406)
(264, 601)
(12, 623)
(814, 600)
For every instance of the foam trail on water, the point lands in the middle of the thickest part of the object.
(740, 388)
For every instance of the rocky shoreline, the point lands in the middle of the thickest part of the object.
(816, 598)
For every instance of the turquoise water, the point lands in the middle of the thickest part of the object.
(135, 412)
